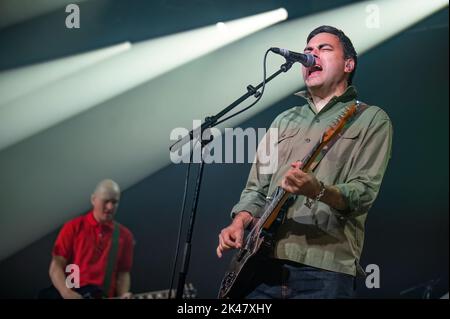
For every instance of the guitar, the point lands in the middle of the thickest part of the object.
(95, 292)
(260, 240)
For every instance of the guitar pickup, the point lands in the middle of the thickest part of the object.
(241, 254)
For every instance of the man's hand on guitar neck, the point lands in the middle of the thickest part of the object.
(233, 235)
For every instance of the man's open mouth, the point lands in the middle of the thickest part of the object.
(315, 69)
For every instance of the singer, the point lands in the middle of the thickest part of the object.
(315, 251)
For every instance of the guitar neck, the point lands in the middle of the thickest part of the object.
(188, 293)
(271, 213)
(161, 294)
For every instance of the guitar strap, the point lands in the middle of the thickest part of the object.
(111, 259)
(360, 108)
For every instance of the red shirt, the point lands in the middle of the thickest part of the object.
(85, 242)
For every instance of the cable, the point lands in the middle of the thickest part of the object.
(259, 97)
(180, 224)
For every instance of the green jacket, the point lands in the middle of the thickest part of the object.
(322, 236)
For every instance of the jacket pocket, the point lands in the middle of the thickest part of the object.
(350, 134)
(284, 144)
(341, 152)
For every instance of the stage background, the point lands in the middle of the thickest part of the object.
(407, 229)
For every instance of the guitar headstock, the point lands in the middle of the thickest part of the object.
(338, 124)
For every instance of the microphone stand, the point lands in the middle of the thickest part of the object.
(210, 122)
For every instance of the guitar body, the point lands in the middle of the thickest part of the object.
(258, 247)
(240, 273)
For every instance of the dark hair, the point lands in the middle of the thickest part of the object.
(349, 50)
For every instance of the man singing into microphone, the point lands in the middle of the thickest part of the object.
(318, 246)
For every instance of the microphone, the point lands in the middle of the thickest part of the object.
(306, 59)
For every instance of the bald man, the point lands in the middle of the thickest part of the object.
(84, 244)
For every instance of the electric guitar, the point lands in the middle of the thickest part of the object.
(95, 292)
(260, 241)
